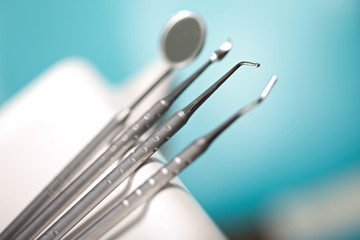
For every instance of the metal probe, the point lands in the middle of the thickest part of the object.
(119, 147)
(132, 161)
(161, 178)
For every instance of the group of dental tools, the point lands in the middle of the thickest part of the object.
(183, 37)
(185, 31)
(126, 140)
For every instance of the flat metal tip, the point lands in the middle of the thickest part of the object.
(222, 51)
(268, 87)
(226, 46)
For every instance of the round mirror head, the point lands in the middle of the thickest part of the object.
(183, 38)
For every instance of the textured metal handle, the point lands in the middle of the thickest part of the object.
(165, 174)
(116, 149)
(148, 119)
(146, 191)
(65, 176)
(115, 177)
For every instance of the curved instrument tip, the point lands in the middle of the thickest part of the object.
(268, 87)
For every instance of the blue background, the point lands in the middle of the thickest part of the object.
(306, 130)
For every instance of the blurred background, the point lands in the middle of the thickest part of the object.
(288, 170)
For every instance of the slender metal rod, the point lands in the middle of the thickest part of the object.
(119, 147)
(128, 165)
(161, 178)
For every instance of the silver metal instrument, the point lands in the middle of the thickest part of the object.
(119, 147)
(184, 31)
(161, 178)
(133, 160)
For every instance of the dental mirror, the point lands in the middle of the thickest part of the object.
(183, 38)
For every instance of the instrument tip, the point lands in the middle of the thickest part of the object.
(226, 46)
(248, 64)
(222, 51)
(268, 87)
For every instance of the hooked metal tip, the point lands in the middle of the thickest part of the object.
(194, 105)
(250, 64)
(268, 87)
(222, 51)
(263, 95)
